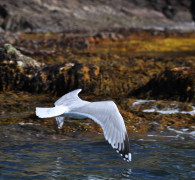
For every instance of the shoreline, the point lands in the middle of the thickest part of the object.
(106, 66)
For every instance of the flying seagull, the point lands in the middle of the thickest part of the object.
(105, 113)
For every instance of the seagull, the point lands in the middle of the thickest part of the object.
(105, 113)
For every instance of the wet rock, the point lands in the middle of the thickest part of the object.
(102, 75)
(176, 83)
(66, 64)
(19, 110)
(19, 72)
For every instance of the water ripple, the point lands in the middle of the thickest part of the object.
(93, 158)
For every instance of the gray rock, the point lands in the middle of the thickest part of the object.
(88, 15)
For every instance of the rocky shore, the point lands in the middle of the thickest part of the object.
(106, 66)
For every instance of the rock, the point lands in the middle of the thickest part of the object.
(111, 69)
(176, 84)
(19, 72)
(12, 55)
(60, 15)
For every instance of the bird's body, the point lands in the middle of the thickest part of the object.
(104, 113)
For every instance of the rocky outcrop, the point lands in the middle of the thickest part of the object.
(108, 76)
(101, 76)
(19, 72)
(68, 15)
(177, 83)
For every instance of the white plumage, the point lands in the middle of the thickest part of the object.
(104, 113)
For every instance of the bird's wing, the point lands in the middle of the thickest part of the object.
(108, 116)
(63, 105)
(51, 112)
(69, 99)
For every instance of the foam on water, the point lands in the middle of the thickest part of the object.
(165, 111)
(162, 111)
(182, 131)
(140, 101)
(31, 124)
(170, 111)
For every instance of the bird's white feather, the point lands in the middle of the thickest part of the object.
(51, 112)
(71, 100)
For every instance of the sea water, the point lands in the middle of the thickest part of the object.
(159, 155)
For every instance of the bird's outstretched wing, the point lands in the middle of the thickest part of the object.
(108, 116)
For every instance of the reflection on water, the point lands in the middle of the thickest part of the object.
(154, 157)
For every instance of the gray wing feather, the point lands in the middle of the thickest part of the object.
(108, 116)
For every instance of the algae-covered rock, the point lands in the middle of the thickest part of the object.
(19, 72)
(102, 71)
(11, 55)
(176, 83)
(10, 50)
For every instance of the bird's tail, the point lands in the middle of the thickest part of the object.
(51, 112)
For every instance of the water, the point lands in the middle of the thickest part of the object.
(159, 155)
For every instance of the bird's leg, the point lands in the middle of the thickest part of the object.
(60, 121)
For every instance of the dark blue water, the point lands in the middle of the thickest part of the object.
(156, 156)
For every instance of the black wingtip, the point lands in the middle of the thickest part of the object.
(125, 151)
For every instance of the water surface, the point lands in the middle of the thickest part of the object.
(162, 155)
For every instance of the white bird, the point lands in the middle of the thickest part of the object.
(105, 113)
